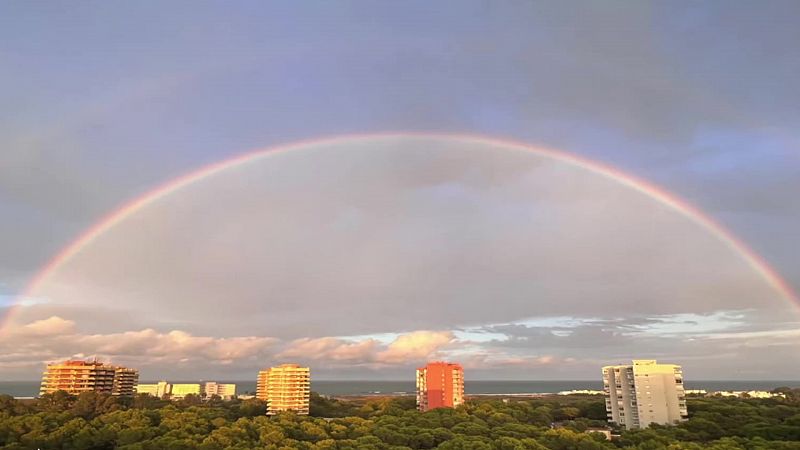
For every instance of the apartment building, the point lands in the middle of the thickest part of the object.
(77, 376)
(159, 389)
(440, 385)
(644, 393)
(181, 390)
(125, 381)
(285, 388)
(225, 391)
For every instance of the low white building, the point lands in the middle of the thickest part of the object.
(180, 391)
(748, 394)
(225, 391)
(581, 392)
(159, 389)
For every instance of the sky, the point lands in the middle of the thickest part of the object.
(364, 258)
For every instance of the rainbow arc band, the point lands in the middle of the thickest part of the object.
(755, 261)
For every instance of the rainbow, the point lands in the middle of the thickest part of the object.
(756, 262)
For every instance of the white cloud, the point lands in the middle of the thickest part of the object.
(52, 326)
(33, 344)
(56, 338)
(413, 347)
(330, 348)
(416, 346)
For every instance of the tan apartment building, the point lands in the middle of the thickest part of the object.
(285, 388)
(644, 393)
(125, 381)
(77, 376)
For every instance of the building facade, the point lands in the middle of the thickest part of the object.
(225, 391)
(181, 390)
(440, 385)
(159, 389)
(125, 381)
(78, 376)
(285, 388)
(643, 393)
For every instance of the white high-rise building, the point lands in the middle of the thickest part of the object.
(644, 393)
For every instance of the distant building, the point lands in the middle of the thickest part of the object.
(79, 376)
(582, 392)
(440, 385)
(644, 393)
(695, 391)
(125, 381)
(285, 388)
(748, 394)
(604, 431)
(225, 391)
(180, 391)
(159, 389)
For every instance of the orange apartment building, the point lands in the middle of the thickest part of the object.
(440, 385)
(285, 388)
(79, 376)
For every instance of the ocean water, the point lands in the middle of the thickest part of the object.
(372, 387)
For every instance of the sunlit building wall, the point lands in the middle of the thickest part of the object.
(159, 389)
(125, 381)
(226, 391)
(440, 385)
(76, 377)
(180, 391)
(285, 388)
(644, 393)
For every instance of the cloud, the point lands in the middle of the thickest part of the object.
(403, 237)
(568, 347)
(409, 348)
(398, 234)
(48, 327)
(416, 346)
(56, 338)
(53, 339)
(330, 348)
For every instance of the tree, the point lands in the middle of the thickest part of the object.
(252, 408)
(12, 406)
(98, 421)
(58, 401)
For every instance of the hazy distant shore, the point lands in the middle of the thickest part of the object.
(373, 388)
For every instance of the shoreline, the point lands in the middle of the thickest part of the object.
(27, 389)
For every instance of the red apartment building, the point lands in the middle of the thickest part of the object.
(440, 385)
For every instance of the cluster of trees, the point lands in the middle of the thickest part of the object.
(96, 421)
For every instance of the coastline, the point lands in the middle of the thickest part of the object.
(474, 388)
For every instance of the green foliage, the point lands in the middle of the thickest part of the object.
(97, 421)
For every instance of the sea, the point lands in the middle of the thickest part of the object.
(26, 389)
